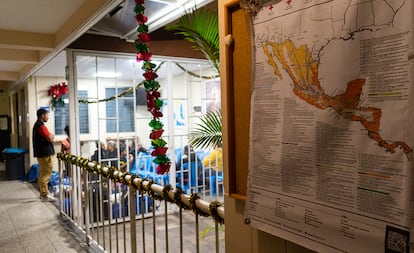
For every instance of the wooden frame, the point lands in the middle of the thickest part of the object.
(235, 73)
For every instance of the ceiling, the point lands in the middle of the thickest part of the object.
(34, 33)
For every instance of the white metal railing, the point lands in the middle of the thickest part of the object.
(122, 212)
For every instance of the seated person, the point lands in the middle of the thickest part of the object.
(112, 153)
(215, 159)
(126, 160)
(142, 150)
(101, 149)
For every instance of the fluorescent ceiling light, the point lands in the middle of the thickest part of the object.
(168, 14)
(108, 74)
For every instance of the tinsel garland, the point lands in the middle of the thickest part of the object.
(194, 74)
(177, 199)
(213, 210)
(131, 90)
(137, 182)
(194, 207)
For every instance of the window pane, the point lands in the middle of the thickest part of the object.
(125, 108)
(62, 116)
(83, 113)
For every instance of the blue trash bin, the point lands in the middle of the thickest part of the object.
(14, 161)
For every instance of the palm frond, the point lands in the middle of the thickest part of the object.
(200, 27)
(208, 133)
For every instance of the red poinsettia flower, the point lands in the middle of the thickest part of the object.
(144, 56)
(150, 105)
(156, 134)
(156, 94)
(144, 37)
(150, 75)
(150, 95)
(156, 113)
(141, 19)
(139, 2)
(53, 91)
(163, 168)
(159, 151)
(63, 88)
(56, 92)
(151, 102)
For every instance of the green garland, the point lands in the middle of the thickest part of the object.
(213, 210)
(194, 74)
(131, 90)
(193, 205)
(126, 92)
(177, 199)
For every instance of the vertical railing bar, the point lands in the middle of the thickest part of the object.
(78, 199)
(217, 236)
(142, 221)
(90, 205)
(116, 217)
(181, 229)
(204, 180)
(197, 234)
(109, 206)
(86, 215)
(69, 192)
(72, 195)
(154, 227)
(166, 225)
(97, 210)
(123, 214)
(132, 208)
(101, 210)
(87, 212)
(217, 186)
(60, 188)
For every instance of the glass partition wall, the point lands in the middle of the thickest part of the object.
(111, 117)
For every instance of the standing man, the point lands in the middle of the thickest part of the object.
(44, 151)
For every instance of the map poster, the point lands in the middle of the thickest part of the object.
(331, 138)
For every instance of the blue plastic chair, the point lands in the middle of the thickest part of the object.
(143, 166)
(215, 177)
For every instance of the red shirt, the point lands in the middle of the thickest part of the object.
(43, 131)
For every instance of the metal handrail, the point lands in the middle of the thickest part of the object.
(214, 209)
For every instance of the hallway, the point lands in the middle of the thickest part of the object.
(29, 225)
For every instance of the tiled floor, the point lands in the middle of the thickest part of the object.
(29, 225)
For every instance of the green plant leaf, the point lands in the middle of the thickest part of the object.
(207, 133)
(201, 28)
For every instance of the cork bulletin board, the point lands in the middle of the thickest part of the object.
(237, 91)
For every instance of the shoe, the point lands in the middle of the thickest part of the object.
(48, 194)
(48, 199)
